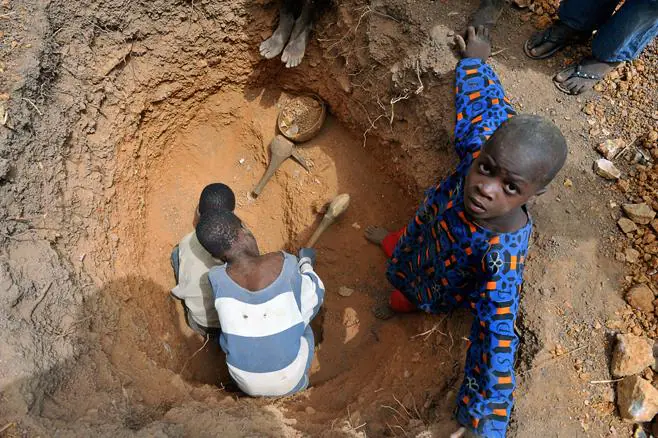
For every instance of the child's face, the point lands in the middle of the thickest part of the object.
(498, 182)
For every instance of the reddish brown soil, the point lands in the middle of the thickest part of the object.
(118, 113)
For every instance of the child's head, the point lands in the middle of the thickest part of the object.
(215, 197)
(225, 237)
(519, 160)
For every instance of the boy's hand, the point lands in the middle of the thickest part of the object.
(478, 43)
(307, 253)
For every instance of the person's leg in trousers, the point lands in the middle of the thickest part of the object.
(578, 19)
(586, 15)
(627, 33)
(620, 38)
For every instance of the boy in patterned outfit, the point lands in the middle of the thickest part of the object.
(467, 244)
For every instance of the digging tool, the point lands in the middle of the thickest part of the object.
(281, 149)
(336, 208)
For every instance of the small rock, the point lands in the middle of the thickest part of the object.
(654, 366)
(309, 410)
(637, 399)
(351, 323)
(654, 225)
(632, 354)
(639, 213)
(606, 169)
(652, 248)
(641, 297)
(4, 168)
(568, 183)
(610, 148)
(631, 255)
(624, 186)
(589, 108)
(627, 225)
(345, 291)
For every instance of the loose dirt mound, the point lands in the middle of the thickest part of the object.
(118, 113)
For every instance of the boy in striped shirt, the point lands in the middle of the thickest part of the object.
(265, 304)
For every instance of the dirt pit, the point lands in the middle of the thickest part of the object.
(227, 140)
(160, 363)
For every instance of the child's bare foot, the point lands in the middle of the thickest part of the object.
(294, 51)
(375, 235)
(272, 46)
(383, 312)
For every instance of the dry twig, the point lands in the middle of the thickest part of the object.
(594, 382)
(194, 354)
(7, 426)
(33, 105)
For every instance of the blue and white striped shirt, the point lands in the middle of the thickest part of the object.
(266, 334)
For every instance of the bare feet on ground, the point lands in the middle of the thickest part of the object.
(272, 46)
(294, 51)
(375, 235)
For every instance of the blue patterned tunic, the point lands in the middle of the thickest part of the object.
(445, 261)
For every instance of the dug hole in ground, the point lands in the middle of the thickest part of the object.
(119, 113)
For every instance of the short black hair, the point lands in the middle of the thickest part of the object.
(536, 141)
(217, 197)
(218, 231)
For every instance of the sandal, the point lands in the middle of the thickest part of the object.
(577, 73)
(558, 34)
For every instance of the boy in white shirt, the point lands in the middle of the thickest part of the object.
(191, 263)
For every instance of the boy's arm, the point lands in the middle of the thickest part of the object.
(485, 399)
(312, 288)
(480, 101)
